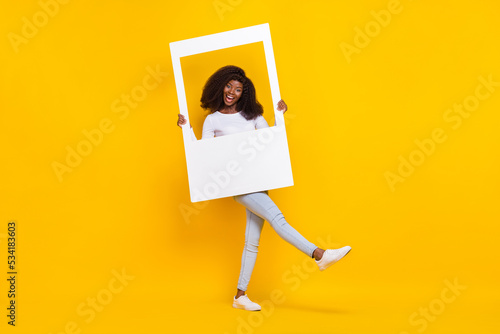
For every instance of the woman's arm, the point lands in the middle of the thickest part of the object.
(208, 128)
(261, 122)
(181, 120)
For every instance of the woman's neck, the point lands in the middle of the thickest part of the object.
(230, 110)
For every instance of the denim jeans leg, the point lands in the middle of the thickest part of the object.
(252, 237)
(261, 204)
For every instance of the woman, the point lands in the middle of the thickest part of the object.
(230, 97)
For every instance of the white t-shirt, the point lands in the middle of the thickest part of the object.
(218, 124)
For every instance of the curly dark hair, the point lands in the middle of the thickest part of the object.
(212, 97)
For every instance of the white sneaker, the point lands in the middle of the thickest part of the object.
(244, 303)
(330, 256)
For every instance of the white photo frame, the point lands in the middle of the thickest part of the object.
(241, 163)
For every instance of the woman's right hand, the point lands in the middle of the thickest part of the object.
(181, 120)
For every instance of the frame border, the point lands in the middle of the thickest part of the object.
(224, 40)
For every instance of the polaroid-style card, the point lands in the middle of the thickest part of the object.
(247, 161)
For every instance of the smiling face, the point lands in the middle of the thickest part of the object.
(232, 93)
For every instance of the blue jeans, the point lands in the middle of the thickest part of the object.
(260, 207)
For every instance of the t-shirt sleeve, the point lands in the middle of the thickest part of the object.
(208, 128)
(260, 122)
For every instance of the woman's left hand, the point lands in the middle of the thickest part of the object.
(282, 106)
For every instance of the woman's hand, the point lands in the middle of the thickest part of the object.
(181, 120)
(282, 106)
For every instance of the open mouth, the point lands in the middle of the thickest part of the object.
(229, 99)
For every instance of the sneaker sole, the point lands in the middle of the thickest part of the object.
(242, 308)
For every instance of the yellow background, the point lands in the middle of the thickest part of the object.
(121, 207)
